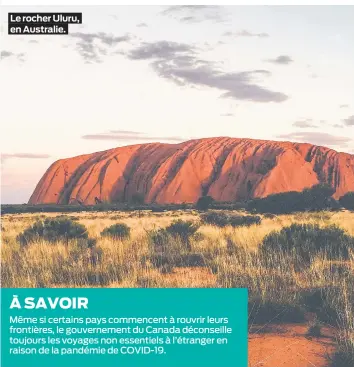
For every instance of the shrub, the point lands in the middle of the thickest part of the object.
(204, 202)
(157, 209)
(171, 247)
(314, 329)
(347, 201)
(159, 238)
(137, 199)
(318, 197)
(216, 219)
(222, 219)
(305, 241)
(244, 220)
(86, 243)
(182, 229)
(53, 230)
(344, 357)
(177, 236)
(117, 231)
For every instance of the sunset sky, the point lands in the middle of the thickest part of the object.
(133, 74)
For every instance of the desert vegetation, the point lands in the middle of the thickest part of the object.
(294, 265)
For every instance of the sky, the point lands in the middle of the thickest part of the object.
(139, 74)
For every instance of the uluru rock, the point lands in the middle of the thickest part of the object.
(228, 169)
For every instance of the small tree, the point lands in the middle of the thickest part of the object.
(179, 230)
(204, 202)
(317, 197)
(347, 201)
(138, 198)
(221, 219)
(183, 229)
(53, 230)
(304, 241)
(117, 231)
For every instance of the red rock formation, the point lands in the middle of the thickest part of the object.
(227, 169)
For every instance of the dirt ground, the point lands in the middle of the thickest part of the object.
(285, 345)
(289, 346)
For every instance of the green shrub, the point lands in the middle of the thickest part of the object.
(86, 243)
(222, 219)
(204, 202)
(318, 197)
(137, 198)
(304, 241)
(159, 238)
(244, 220)
(314, 329)
(347, 201)
(344, 357)
(182, 229)
(52, 230)
(118, 231)
(176, 236)
(169, 249)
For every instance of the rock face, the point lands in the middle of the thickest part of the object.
(227, 169)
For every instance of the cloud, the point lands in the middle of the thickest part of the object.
(162, 50)
(349, 121)
(142, 25)
(6, 156)
(5, 54)
(245, 33)
(305, 123)
(317, 138)
(281, 60)
(338, 126)
(91, 46)
(343, 106)
(123, 135)
(195, 13)
(178, 62)
(126, 132)
(9, 54)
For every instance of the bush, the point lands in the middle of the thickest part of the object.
(244, 220)
(52, 230)
(222, 219)
(182, 229)
(344, 357)
(159, 238)
(304, 241)
(171, 247)
(347, 201)
(318, 197)
(204, 202)
(217, 219)
(86, 243)
(314, 329)
(117, 231)
(176, 235)
(138, 198)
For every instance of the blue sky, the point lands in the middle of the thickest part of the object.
(133, 74)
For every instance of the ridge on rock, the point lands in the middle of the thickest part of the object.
(228, 169)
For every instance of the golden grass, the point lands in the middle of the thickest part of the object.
(229, 259)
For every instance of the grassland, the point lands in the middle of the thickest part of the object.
(279, 291)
